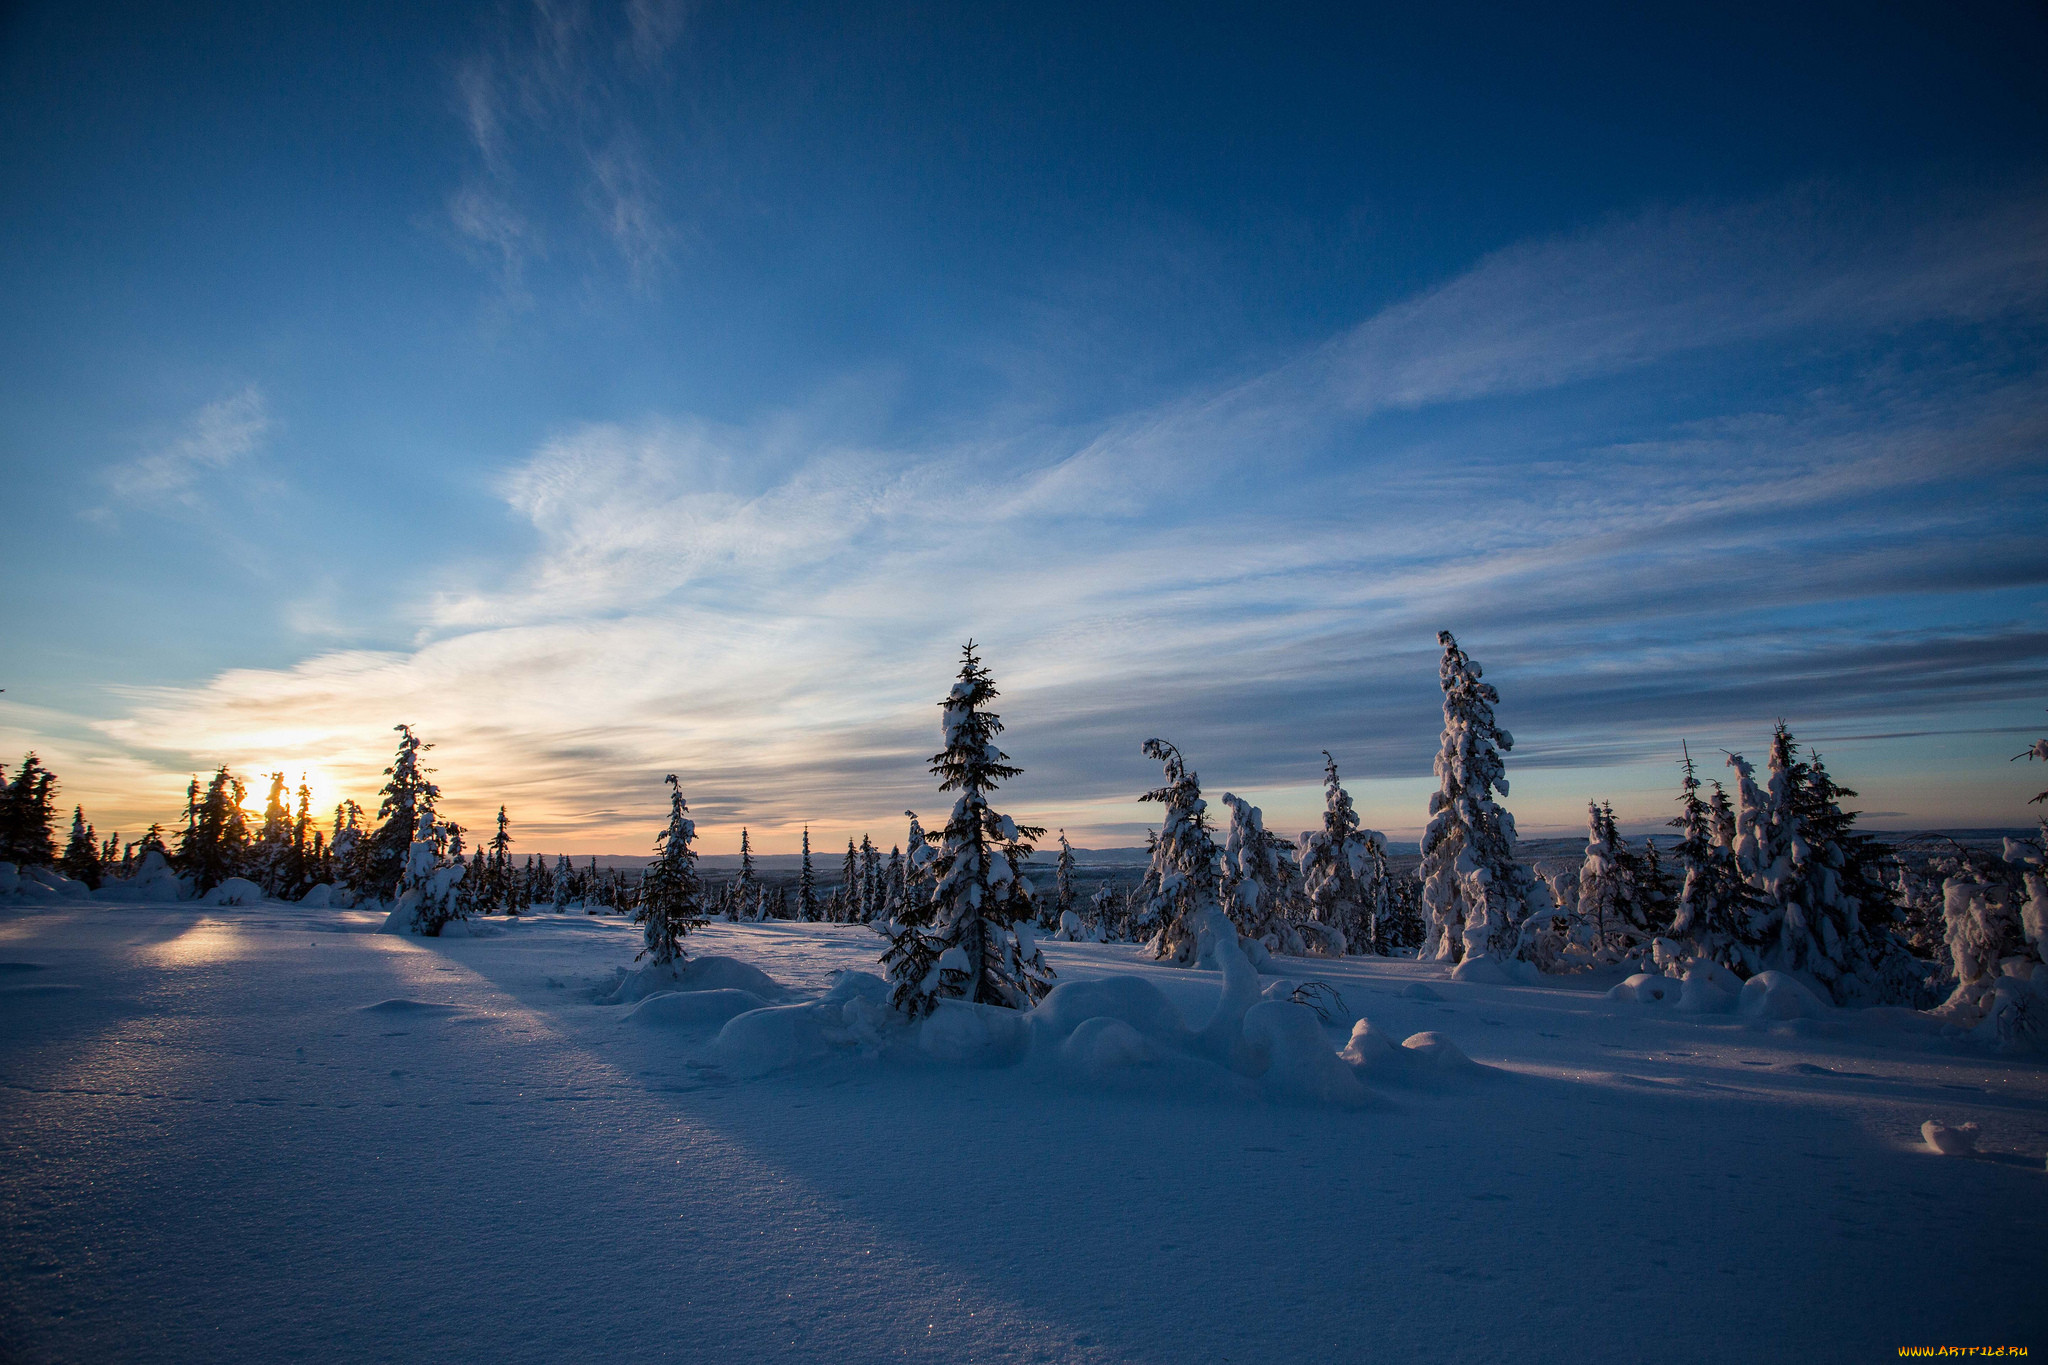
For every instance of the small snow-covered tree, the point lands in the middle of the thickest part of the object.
(670, 891)
(1609, 916)
(269, 861)
(1182, 882)
(1474, 892)
(81, 861)
(28, 814)
(216, 838)
(405, 795)
(1259, 880)
(971, 937)
(849, 885)
(1062, 884)
(1344, 872)
(1717, 909)
(429, 886)
(871, 898)
(807, 885)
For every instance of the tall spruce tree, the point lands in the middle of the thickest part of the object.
(1475, 893)
(849, 885)
(406, 794)
(216, 831)
(971, 938)
(1344, 871)
(1717, 909)
(28, 814)
(670, 892)
(1062, 884)
(807, 885)
(1182, 882)
(81, 860)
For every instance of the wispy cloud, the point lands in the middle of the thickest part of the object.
(550, 106)
(1258, 569)
(215, 437)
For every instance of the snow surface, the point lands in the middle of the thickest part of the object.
(264, 1131)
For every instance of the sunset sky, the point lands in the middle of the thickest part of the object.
(610, 391)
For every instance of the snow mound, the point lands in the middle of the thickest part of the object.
(1296, 1060)
(1708, 989)
(1103, 1047)
(1779, 995)
(319, 898)
(152, 883)
(854, 1016)
(1423, 1059)
(1439, 1053)
(691, 974)
(1949, 1141)
(234, 891)
(410, 1007)
(974, 1035)
(47, 881)
(1419, 991)
(1132, 1000)
(1484, 968)
(1645, 989)
(692, 1009)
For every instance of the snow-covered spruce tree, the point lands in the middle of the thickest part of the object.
(1611, 924)
(744, 894)
(1183, 882)
(918, 852)
(1474, 893)
(1718, 910)
(1062, 886)
(670, 892)
(849, 885)
(1260, 883)
(406, 794)
(500, 862)
(81, 860)
(1344, 871)
(269, 860)
(1825, 903)
(216, 838)
(971, 937)
(429, 886)
(28, 814)
(807, 885)
(871, 889)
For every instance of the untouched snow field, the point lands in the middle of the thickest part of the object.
(266, 1132)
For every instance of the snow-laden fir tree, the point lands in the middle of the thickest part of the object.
(807, 885)
(428, 892)
(407, 792)
(269, 862)
(501, 861)
(1260, 884)
(917, 860)
(1718, 910)
(1062, 886)
(670, 892)
(1607, 928)
(1182, 880)
(851, 907)
(216, 839)
(81, 861)
(28, 814)
(1344, 871)
(1474, 892)
(871, 889)
(1745, 834)
(971, 937)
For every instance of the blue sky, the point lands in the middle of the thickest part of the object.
(616, 390)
